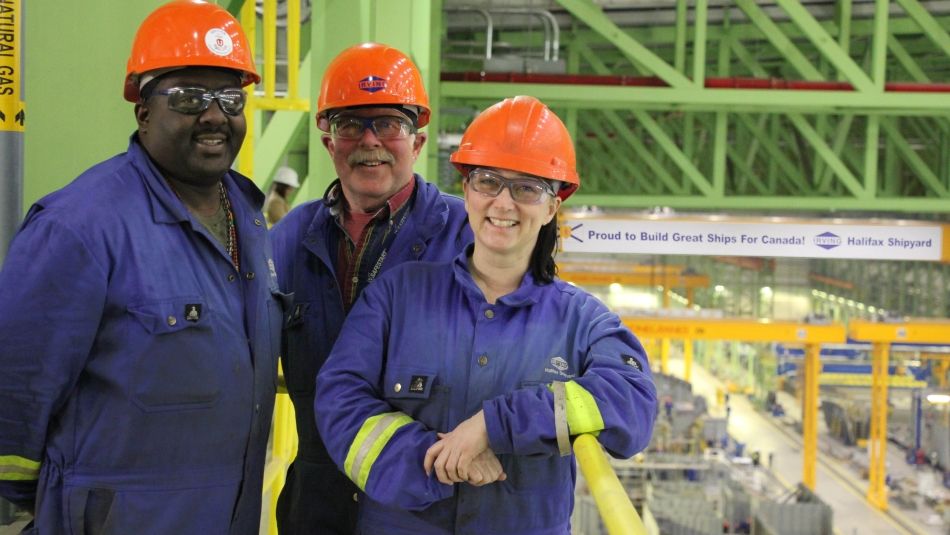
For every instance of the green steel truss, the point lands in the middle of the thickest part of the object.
(688, 146)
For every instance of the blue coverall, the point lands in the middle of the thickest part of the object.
(422, 350)
(317, 498)
(137, 365)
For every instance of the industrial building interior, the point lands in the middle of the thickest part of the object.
(803, 375)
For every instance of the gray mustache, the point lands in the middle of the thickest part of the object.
(362, 155)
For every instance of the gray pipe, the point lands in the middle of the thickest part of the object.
(489, 25)
(11, 141)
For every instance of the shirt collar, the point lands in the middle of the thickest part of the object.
(335, 200)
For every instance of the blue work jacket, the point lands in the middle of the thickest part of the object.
(317, 498)
(422, 350)
(138, 366)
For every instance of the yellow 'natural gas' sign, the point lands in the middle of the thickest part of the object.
(12, 114)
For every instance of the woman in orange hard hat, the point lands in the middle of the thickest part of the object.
(454, 389)
(139, 313)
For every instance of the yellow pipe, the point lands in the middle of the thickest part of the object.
(293, 48)
(270, 47)
(616, 510)
(810, 414)
(246, 156)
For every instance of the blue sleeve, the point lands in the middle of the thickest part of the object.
(378, 447)
(52, 296)
(615, 374)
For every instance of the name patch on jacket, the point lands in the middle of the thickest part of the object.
(632, 361)
(193, 311)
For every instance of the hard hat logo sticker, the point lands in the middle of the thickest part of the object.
(372, 84)
(219, 42)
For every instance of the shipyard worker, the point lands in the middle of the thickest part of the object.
(278, 200)
(455, 387)
(139, 311)
(375, 215)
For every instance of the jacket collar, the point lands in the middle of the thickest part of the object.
(166, 206)
(528, 293)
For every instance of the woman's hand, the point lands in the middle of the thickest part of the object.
(463, 455)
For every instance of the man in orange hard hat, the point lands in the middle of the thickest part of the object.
(376, 215)
(139, 311)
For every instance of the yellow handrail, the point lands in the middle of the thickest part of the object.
(615, 507)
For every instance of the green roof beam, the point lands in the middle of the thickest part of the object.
(746, 58)
(826, 44)
(777, 157)
(828, 155)
(879, 44)
(931, 27)
(838, 146)
(622, 130)
(872, 153)
(779, 40)
(669, 146)
(748, 202)
(616, 155)
(746, 100)
(592, 15)
(679, 43)
(700, 11)
(905, 60)
(916, 163)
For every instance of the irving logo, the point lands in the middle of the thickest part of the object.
(827, 240)
(372, 84)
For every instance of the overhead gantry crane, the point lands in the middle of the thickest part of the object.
(810, 335)
(881, 336)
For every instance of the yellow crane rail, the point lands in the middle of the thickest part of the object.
(749, 330)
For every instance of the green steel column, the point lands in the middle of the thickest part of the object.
(339, 24)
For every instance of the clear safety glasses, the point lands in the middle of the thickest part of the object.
(384, 126)
(194, 100)
(523, 190)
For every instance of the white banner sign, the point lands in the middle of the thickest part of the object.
(713, 237)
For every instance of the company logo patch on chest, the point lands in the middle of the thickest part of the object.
(560, 367)
(418, 384)
(632, 361)
(193, 312)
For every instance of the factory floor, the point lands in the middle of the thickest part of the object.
(838, 483)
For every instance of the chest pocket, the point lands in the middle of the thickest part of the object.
(176, 361)
(419, 394)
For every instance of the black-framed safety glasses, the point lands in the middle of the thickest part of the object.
(194, 100)
(384, 126)
(523, 190)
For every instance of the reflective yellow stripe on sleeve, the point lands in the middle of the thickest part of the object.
(15, 468)
(369, 442)
(583, 415)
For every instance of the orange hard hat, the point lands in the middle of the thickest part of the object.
(520, 134)
(371, 74)
(188, 33)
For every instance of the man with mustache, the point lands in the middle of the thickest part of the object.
(139, 311)
(376, 215)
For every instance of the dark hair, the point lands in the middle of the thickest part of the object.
(541, 263)
(282, 189)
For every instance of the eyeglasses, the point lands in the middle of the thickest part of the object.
(384, 126)
(194, 100)
(523, 190)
